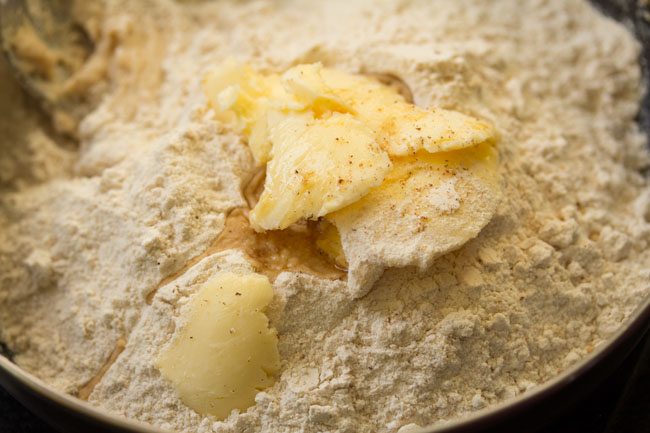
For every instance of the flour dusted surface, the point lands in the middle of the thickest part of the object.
(87, 236)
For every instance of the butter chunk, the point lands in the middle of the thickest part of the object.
(401, 127)
(226, 353)
(317, 166)
(247, 100)
(428, 205)
(308, 87)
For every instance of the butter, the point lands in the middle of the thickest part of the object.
(400, 127)
(226, 353)
(407, 189)
(318, 166)
(351, 149)
(428, 205)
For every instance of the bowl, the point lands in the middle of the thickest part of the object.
(529, 411)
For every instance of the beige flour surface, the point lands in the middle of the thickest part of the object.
(87, 235)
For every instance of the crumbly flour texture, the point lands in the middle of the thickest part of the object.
(88, 233)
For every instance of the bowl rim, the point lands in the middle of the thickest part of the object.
(632, 328)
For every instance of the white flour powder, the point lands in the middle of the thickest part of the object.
(87, 235)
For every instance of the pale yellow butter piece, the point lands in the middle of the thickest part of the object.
(317, 166)
(243, 98)
(309, 89)
(429, 204)
(226, 353)
(401, 127)
(233, 91)
(328, 136)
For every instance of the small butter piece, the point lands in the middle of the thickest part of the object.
(428, 205)
(306, 84)
(247, 99)
(226, 353)
(401, 127)
(317, 166)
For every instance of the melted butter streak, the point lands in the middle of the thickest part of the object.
(85, 391)
(271, 253)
